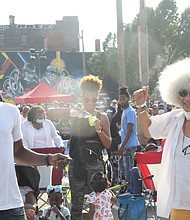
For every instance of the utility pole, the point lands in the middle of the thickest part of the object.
(83, 55)
(120, 46)
(80, 36)
(143, 46)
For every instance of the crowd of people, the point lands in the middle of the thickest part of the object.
(118, 128)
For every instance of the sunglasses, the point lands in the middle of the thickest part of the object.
(186, 150)
(93, 100)
(183, 93)
(57, 188)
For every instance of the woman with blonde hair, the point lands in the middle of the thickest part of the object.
(174, 183)
(90, 134)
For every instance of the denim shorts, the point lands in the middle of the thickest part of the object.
(13, 214)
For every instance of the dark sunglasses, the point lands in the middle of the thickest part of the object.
(186, 150)
(93, 100)
(183, 92)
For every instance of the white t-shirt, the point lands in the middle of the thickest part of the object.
(10, 132)
(182, 180)
(40, 138)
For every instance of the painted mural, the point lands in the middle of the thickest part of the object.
(60, 70)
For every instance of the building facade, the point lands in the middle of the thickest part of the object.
(61, 36)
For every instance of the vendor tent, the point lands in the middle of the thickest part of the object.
(42, 94)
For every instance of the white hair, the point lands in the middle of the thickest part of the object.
(174, 78)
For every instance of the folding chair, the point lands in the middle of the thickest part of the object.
(54, 178)
(118, 177)
(143, 161)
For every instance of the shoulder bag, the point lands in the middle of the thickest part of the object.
(89, 151)
(132, 207)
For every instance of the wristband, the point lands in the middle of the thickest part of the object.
(99, 131)
(140, 113)
(141, 106)
(47, 160)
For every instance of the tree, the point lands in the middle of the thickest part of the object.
(168, 40)
(104, 63)
(131, 51)
(184, 33)
(166, 29)
(97, 64)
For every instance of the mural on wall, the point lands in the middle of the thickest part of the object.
(19, 73)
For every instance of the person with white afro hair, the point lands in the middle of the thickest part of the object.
(174, 78)
(174, 126)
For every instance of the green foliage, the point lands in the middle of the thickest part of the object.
(168, 38)
(105, 63)
(184, 33)
(166, 21)
(131, 57)
(96, 63)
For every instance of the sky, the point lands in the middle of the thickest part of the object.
(96, 17)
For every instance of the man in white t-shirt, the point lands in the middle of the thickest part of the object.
(12, 150)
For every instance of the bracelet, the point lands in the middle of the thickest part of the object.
(141, 109)
(140, 113)
(141, 106)
(99, 131)
(47, 160)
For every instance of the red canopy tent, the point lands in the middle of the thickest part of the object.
(41, 94)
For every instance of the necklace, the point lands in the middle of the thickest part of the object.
(182, 145)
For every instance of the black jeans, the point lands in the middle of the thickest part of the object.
(13, 214)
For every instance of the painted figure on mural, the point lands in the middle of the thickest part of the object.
(60, 80)
(29, 75)
(17, 80)
(19, 74)
(51, 75)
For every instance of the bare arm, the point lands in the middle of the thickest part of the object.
(29, 205)
(103, 129)
(47, 214)
(30, 200)
(140, 97)
(91, 212)
(145, 122)
(58, 212)
(113, 199)
(28, 157)
(128, 135)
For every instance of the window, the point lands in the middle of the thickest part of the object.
(2, 38)
(23, 39)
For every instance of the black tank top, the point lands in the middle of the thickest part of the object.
(82, 131)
